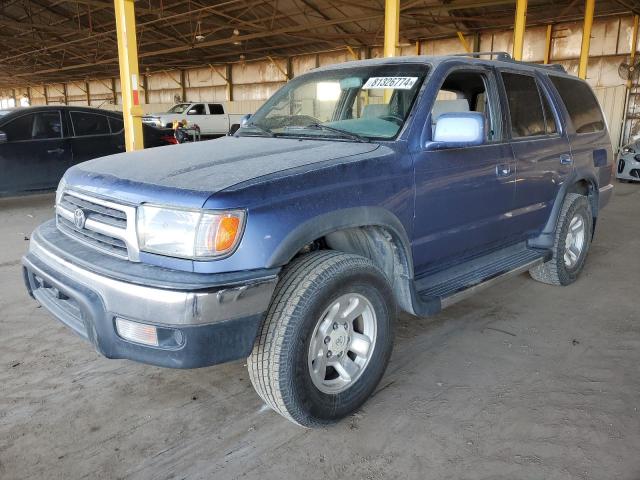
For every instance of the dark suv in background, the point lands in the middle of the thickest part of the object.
(357, 189)
(38, 144)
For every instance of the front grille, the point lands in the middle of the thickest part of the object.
(104, 227)
(112, 245)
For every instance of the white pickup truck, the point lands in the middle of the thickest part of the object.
(212, 118)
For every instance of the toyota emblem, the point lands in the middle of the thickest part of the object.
(78, 218)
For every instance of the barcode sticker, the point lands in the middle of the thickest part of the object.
(396, 83)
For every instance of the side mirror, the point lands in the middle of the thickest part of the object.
(193, 111)
(460, 129)
(245, 119)
(3, 137)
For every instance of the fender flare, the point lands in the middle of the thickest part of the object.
(547, 236)
(326, 223)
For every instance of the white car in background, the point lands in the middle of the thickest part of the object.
(628, 167)
(212, 118)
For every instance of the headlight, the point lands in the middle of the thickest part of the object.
(61, 186)
(188, 233)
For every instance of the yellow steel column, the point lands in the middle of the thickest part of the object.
(634, 45)
(547, 45)
(128, 59)
(589, 7)
(391, 27)
(518, 29)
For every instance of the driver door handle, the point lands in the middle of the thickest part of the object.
(503, 170)
(56, 150)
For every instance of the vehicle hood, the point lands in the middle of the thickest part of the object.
(190, 173)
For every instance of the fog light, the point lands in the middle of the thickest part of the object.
(137, 332)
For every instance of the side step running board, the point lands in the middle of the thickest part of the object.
(452, 285)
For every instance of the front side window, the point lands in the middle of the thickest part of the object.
(47, 125)
(34, 126)
(19, 128)
(88, 123)
(356, 104)
(525, 107)
(581, 104)
(179, 108)
(467, 91)
(197, 109)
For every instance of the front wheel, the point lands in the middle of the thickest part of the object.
(326, 340)
(572, 241)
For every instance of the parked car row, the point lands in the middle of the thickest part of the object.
(211, 118)
(38, 144)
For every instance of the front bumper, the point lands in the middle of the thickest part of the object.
(211, 323)
(628, 168)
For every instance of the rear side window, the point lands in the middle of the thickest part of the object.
(19, 129)
(87, 123)
(116, 124)
(216, 109)
(525, 107)
(581, 104)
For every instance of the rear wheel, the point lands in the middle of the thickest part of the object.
(572, 241)
(326, 340)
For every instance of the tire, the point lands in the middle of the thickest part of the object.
(559, 270)
(280, 366)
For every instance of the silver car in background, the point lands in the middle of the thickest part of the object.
(628, 166)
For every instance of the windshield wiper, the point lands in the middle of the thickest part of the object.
(344, 133)
(264, 130)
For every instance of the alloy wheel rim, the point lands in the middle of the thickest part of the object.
(575, 241)
(342, 343)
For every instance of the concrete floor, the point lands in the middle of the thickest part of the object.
(522, 381)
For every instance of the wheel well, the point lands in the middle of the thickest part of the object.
(588, 189)
(379, 245)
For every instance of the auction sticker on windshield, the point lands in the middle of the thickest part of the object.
(398, 83)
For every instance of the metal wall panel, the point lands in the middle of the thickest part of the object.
(612, 100)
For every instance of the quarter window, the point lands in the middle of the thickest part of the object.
(550, 120)
(525, 107)
(88, 123)
(581, 104)
(116, 124)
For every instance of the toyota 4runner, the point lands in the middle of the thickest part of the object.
(356, 190)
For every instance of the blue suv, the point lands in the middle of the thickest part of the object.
(356, 190)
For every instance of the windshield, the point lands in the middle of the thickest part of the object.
(357, 104)
(179, 108)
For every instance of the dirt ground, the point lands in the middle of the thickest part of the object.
(522, 381)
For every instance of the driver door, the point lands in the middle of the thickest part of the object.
(464, 195)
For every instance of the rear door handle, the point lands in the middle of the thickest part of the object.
(503, 170)
(566, 159)
(56, 150)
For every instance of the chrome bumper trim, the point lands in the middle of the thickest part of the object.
(160, 306)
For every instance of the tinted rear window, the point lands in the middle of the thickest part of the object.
(525, 108)
(87, 123)
(216, 109)
(581, 104)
